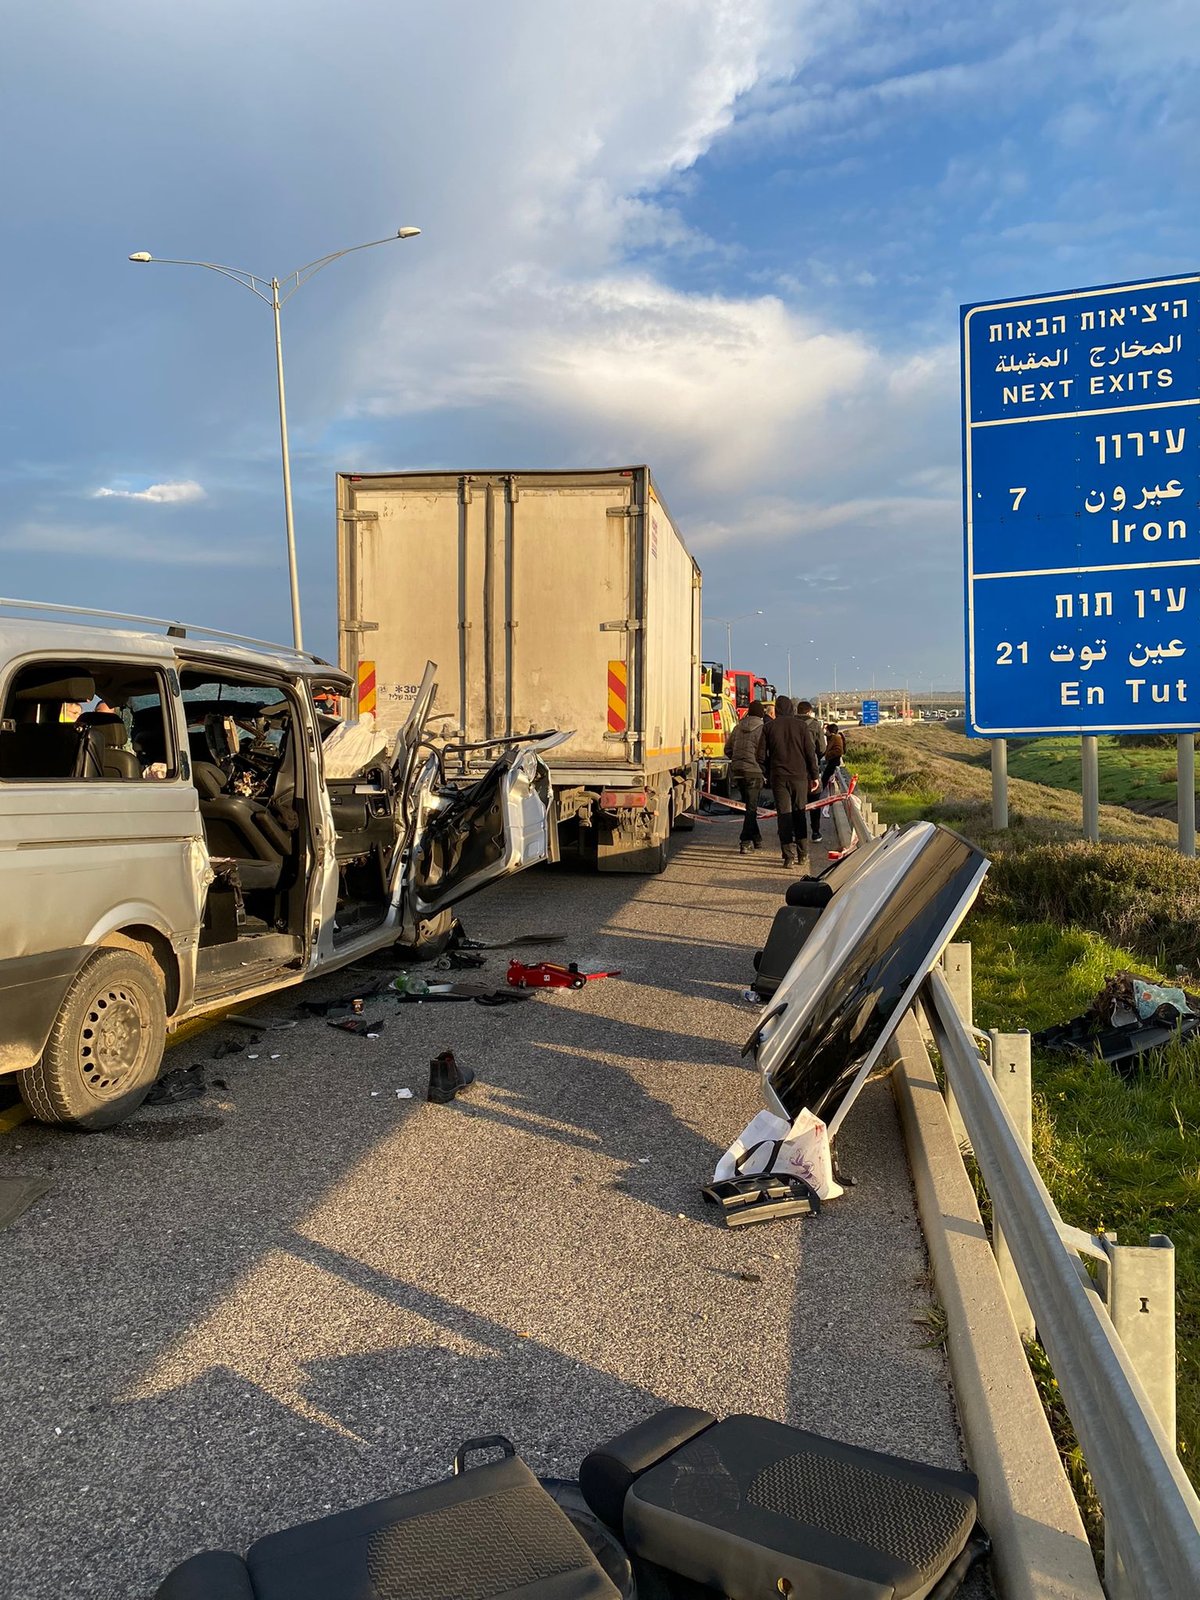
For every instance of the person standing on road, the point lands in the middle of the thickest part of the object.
(794, 775)
(835, 750)
(804, 710)
(746, 748)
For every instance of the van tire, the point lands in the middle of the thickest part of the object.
(91, 1075)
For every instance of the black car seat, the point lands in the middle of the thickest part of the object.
(745, 1507)
(230, 822)
(104, 752)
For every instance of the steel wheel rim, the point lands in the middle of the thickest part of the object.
(112, 1039)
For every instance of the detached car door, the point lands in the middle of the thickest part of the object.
(467, 837)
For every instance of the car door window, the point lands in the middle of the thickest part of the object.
(86, 720)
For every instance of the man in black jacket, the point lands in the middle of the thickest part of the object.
(794, 776)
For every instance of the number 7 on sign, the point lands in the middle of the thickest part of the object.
(1018, 495)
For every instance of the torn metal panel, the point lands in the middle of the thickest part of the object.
(890, 916)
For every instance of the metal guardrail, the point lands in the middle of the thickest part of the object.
(1110, 1340)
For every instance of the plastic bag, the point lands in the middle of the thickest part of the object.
(797, 1149)
(1148, 997)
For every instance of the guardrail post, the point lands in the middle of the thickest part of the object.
(1012, 1069)
(999, 783)
(1141, 1304)
(1091, 786)
(956, 964)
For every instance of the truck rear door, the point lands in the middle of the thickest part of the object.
(571, 605)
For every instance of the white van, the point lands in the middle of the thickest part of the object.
(183, 824)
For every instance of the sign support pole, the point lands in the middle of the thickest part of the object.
(1185, 792)
(1091, 787)
(999, 783)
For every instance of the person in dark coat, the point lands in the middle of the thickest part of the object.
(794, 776)
(804, 710)
(746, 748)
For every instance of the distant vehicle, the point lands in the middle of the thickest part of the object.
(551, 600)
(747, 686)
(183, 825)
(717, 722)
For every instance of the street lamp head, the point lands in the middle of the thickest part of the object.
(141, 255)
(407, 233)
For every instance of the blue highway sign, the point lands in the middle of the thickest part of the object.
(870, 713)
(1081, 488)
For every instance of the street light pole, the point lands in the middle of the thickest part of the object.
(727, 623)
(289, 521)
(275, 300)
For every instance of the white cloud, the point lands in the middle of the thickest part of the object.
(160, 494)
(65, 539)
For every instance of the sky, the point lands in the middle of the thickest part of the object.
(728, 238)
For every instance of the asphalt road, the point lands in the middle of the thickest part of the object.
(302, 1291)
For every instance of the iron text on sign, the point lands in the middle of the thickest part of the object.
(1081, 488)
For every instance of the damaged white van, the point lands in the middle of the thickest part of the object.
(184, 824)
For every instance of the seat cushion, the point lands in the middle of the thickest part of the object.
(750, 1502)
(488, 1534)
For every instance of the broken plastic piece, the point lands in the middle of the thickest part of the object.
(459, 940)
(457, 959)
(355, 1025)
(767, 1197)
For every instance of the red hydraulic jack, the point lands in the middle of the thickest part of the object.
(549, 975)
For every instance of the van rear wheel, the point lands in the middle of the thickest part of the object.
(106, 1046)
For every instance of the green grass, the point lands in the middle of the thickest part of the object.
(1113, 1154)
(1132, 773)
(1056, 917)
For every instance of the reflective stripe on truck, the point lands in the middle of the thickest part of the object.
(366, 688)
(618, 697)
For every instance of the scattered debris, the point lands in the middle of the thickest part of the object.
(184, 1083)
(752, 997)
(229, 1047)
(481, 992)
(550, 975)
(447, 1078)
(239, 1021)
(771, 1146)
(503, 997)
(220, 1083)
(357, 1026)
(768, 1197)
(347, 1002)
(1129, 1019)
(404, 1094)
(459, 940)
(457, 959)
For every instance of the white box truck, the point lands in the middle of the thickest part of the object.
(548, 600)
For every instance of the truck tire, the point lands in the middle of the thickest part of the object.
(106, 1045)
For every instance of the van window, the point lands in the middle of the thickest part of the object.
(90, 721)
